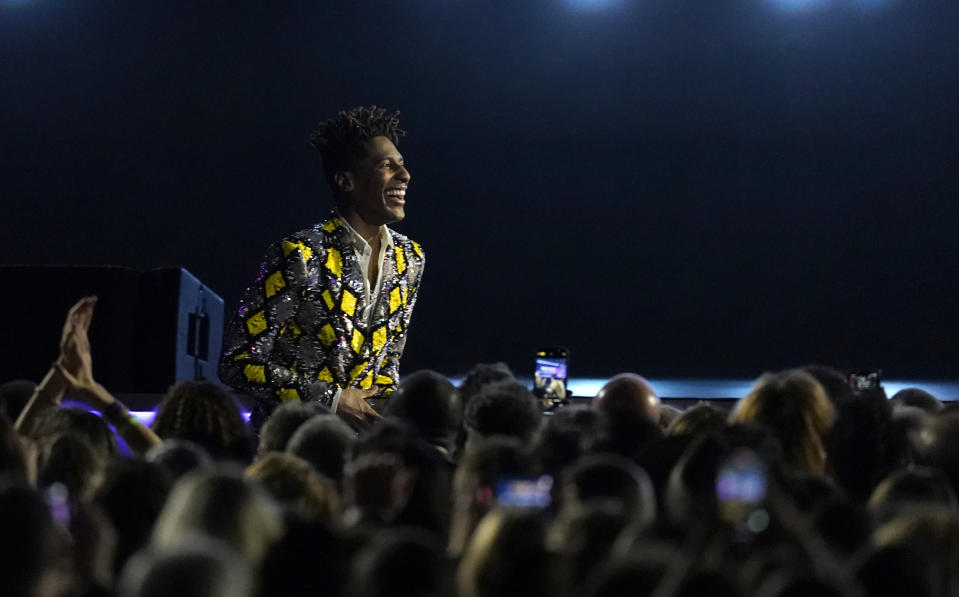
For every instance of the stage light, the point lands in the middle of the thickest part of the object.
(589, 5)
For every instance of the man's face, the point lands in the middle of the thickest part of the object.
(379, 182)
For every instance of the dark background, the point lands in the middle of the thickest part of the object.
(680, 188)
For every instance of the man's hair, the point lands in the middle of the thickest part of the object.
(283, 423)
(340, 139)
(503, 408)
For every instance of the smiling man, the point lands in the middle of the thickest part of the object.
(326, 318)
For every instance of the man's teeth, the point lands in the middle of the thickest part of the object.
(396, 193)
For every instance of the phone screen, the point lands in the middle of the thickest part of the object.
(524, 492)
(549, 375)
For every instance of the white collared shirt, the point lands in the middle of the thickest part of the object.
(364, 256)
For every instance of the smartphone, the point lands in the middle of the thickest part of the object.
(741, 485)
(550, 376)
(866, 381)
(524, 492)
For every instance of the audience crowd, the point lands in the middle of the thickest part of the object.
(808, 486)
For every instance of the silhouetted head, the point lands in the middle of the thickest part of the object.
(204, 413)
(325, 442)
(296, 486)
(628, 391)
(430, 403)
(283, 423)
(504, 408)
(916, 397)
(201, 567)
(401, 563)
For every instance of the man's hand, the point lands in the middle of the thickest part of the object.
(354, 409)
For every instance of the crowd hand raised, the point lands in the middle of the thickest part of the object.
(354, 409)
(78, 320)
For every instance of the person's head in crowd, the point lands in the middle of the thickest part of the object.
(71, 461)
(204, 413)
(794, 585)
(628, 392)
(223, 505)
(200, 567)
(896, 570)
(833, 381)
(393, 476)
(503, 408)
(691, 487)
(863, 445)
(583, 541)
(932, 532)
(81, 423)
(431, 404)
(478, 475)
(845, 527)
(13, 458)
(292, 567)
(714, 582)
(936, 446)
(481, 376)
(401, 563)
(507, 557)
(916, 487)
(637, 573)
(30, 544)
(14, 395)
(178, 457)
(598, 478)
(918, 398)
(795, 407)
(294, 483)
(564, 437)
(698, 419)
(132, 496)
(667, 415)
(325, 442)
(283, 423)
(629, 415)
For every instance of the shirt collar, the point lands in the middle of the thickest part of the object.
(359, 243)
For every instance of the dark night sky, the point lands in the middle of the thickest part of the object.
(675, 187)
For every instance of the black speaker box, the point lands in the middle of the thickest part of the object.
(150, 329)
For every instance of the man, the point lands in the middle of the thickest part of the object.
(326, 318)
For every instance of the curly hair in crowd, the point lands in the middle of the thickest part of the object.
(204, 413)
(340, 139)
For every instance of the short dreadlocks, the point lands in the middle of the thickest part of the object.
(340, 139)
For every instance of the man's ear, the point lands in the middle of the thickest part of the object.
(343, 180)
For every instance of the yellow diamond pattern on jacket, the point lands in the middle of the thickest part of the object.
(383, 380)
(274, 284)
(356, 343)
(348, 304)
(331, 225)
(289, 246)
(395, 300)
(356, 371)
(325, 375)
(367, 382)
(255, 373)
(288, 394)
(379, 339)
(326, 335)
(291, 328)
(334, 262)
(257, 323)
(241, 356)
(327, 299)
(400, 260)
(417, 249)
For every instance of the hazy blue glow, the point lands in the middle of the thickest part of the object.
(798, 5)
(871, 4)
(591, 4)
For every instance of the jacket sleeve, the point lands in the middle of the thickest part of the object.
(268, 309)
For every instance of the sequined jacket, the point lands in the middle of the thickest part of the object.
(299, 332)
